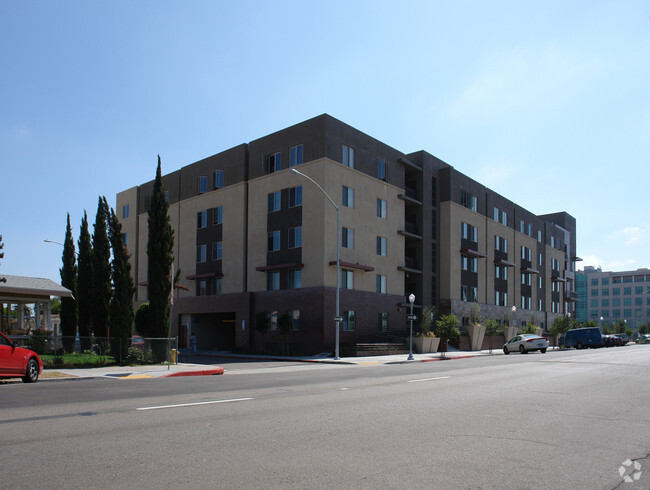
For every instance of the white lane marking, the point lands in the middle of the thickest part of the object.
(427, 379)
(194, 404)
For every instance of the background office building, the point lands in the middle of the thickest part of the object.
(607, 297)
(253, 237)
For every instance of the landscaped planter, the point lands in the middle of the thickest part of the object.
(509, 332)
(425, 345)
(476, 334)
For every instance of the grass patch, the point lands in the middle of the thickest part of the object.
(85, 360)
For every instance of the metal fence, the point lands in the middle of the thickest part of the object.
(110, 350)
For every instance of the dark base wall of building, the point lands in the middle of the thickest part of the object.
(226, 322)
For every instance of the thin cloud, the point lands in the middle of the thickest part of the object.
(523, 79)
(629, 236)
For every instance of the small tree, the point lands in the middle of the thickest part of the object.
(428, 313)
(447, 329)
(561, 325)
(475, 314)
(643, 329)
(528, 328)
(2, 256)
(142, 323)
(262, 324)
(492, 329)
(69, 280)
(285, 324)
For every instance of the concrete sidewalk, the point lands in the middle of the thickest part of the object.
(327, 359)
(189, 369)
(131, 372)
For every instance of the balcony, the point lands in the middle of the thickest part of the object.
(411, 195)
(410, 265)
(571, 296)
(410, 230)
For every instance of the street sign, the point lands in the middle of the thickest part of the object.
(338, 319)
(411, 317)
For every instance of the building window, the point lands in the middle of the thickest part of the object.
(469, 232)
(347, 238)
(604, 303)
(348, 197)
(295, 317)
(381, 246)
(539, 236)
(381, 169)
(274, 201)
(125, 211)
(500, 244)
(295, 196)
(295, 237)
(525, 278)
(295, 156)
(616, 302)
(468, 263)
(525, 253)
(201, 253)
(215, 285)
(605, 281)
(500, 299)
(217, 179)
(627, 291)
(349, 321)
(203, 185)
(468, 200)
(274, 162)
(381, 284)
(217, 250)
(273, 281)
(381, 208)
(540, 259)
(463, 293)
(616, 291)
(382, 322)
(605, 292)
(348, 156)
(638, 290)
(273, 241)
(627, 301)
(496, 214)
(201, 219)
(201, 287)
(217, 215)
(347, 279)
(295, 279)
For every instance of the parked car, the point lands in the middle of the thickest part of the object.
(608, 340)
(18, 362)
(622, 338)
(643, 339)
(525, 343)
(582, 337)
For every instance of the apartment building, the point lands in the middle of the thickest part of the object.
(252, 237)
(607, 297)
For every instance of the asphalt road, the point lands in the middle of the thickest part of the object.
(570, 419)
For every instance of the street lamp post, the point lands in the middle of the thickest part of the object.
(337, 318)
(514, 310)
(411, 318)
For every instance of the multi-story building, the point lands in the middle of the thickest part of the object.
(607, 297)
(252, 237)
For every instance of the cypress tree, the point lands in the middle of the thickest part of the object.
(101, 278)
(2, 256)
(123, 291)
(84, 285)
(69, 280)
(160, 258)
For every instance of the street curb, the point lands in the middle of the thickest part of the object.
(205, 372)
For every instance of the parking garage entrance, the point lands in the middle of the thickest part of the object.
(214, 331)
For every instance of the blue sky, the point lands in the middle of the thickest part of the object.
(547, 103)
